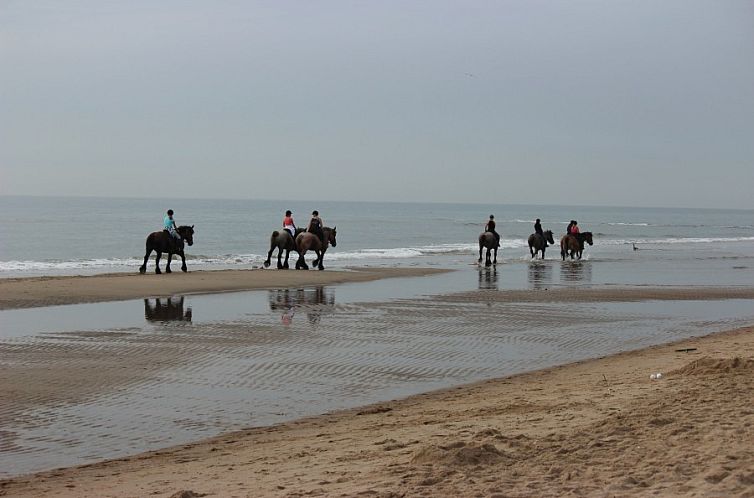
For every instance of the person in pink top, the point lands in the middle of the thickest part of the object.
(288, 223)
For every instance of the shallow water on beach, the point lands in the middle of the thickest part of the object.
(147, 374)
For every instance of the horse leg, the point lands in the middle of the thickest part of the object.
(487, 259)
(285, 263)
(562, 253)
(269, 256)
(184, 268)
(280, 253)
(480, 253)
(320, 257)
(143, 268)
(301, 263)
(167, 266)
(157, 263)
(532, 251)
(543, 251)
(495, 260)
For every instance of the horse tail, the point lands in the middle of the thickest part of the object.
(275, 234)
(150, 242)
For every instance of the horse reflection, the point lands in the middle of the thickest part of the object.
(540, 275)
(166, 310)
(488, 278)
(313, 302)
(576, 272)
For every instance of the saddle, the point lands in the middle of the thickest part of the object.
(542, 237)
(174, 245)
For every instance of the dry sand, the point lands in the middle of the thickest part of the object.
(49, 291)
(594, 428)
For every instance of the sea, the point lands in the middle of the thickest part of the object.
(47, 236)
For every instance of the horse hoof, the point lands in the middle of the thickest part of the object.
(142, 270)
(184, 269)
(321, 267)
(158, 272)
(266, 264)
(286, 267)
(168, 270)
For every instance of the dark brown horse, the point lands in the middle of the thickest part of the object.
(539, 242)
(573, 244)
(162, 241)
(487, 240)
(307, 241)
(282, 240)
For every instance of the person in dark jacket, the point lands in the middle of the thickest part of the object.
(490, 227)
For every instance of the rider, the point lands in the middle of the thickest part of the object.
(168, 224)
(490, 227)
(288, 223)
(577, 233)
(568, 228)
(315, 226)
(538, 230)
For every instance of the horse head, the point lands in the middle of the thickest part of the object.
(588, 238)
(187, 233)
(330, 233)
(548, 237)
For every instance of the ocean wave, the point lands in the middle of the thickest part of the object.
(232, 260)
(415, 252)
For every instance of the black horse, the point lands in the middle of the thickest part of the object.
(283, 241)
(487, 240)
(162, 241)
(538, 242)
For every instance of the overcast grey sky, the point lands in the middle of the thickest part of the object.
(638, 103)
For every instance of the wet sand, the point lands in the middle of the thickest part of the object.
(49, 291)
(593, 428)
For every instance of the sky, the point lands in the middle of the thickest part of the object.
(619, 103)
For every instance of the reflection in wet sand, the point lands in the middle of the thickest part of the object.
(576, 272)
(312, 301)
(488, 278)
(540, 275)
(169, 309)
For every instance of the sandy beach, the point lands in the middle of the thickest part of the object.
(595, 428)
(600, 427)
(50, 291)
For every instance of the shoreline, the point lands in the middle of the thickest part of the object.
(37, 292)
(594, 426)
(34, 292)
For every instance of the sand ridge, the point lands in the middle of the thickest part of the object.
(48, 291)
